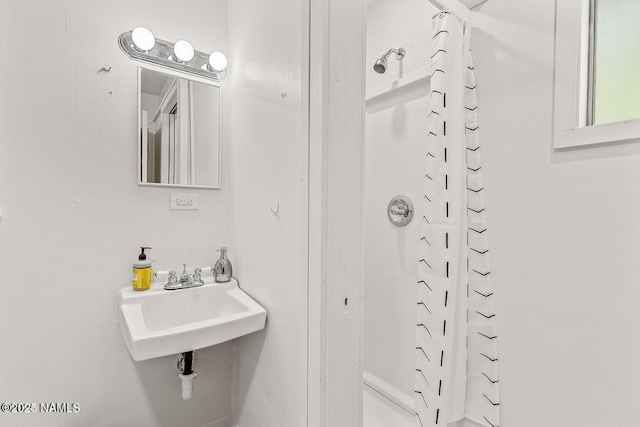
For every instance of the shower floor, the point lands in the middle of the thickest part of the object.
(382, 412)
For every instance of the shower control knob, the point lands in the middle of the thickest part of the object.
(400, 211)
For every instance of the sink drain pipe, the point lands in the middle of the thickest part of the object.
(186, 364)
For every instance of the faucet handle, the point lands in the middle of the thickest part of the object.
(197, 277)
(172, 278)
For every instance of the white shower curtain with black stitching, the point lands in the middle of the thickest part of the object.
(456, 340)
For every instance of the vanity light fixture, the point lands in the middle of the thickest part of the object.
(143, 39)
(217, 62)
(141, 45)
(182, 51)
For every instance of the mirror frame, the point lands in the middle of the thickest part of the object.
(186, 76)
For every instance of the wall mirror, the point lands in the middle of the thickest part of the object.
(180, 129)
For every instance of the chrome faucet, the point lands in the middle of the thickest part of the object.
(186, 280)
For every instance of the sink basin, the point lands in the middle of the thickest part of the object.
(158, 322)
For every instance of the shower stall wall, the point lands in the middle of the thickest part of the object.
(417, 121)
(395, 130)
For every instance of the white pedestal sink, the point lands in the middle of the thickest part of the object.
(158, 322)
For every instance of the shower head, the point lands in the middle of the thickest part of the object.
(381, 64)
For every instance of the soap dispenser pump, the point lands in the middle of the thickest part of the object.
(222, 270)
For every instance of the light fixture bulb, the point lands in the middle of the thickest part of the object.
(217, 62)
(143, 39)
(183, 51)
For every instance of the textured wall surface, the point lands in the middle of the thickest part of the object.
(73, 216)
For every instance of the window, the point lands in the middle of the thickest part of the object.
(597, 91)
(615, 61)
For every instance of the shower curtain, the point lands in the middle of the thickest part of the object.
(456, 340)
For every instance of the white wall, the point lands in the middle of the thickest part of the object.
(396, 128)
(73, 216)
(565, 238)
(270, 144)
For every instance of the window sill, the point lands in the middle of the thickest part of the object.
(598, 134)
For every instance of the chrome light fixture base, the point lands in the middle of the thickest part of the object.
(161, 54)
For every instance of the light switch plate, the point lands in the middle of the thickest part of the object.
(184, 200)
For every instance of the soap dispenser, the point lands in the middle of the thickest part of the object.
(222, 271)
(141, 272)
